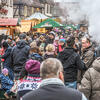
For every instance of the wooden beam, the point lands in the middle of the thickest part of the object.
(15, 11)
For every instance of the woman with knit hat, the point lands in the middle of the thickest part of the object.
(32, 80)
(61, 45)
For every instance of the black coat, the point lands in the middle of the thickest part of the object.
(71, 62)
(19, 55)
(53, 92)
(49, 41)
(6, 57)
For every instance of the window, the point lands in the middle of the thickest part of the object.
(32, 10)
(29, 11)
(25, 11)
(11, 3)
(22, 10)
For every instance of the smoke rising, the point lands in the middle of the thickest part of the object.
(85, 9)
(92, 9)
(72, 11)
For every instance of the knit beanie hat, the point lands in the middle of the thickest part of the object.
(32, 67)
(52, 33)
(62, 40)
(5, 71)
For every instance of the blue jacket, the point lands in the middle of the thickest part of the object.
(6, 82)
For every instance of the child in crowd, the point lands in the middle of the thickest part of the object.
(6, 82)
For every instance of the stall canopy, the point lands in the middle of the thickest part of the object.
(48, 23)
(37, 15)
(71, 26)
(8, 21)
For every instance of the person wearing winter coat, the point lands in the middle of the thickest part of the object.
(50, 39)
(87, 54)
(61, 45)
(35, 52)
(7, 60)
(50, 52)
(19, 55)
(90, 84)
(52, 86)
(71, 63)
(6, 55)
(32, 80)
(6, 82)
(56, 43)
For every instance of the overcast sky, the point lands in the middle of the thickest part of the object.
(67, 0)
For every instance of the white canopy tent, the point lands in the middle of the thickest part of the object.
(37, 15)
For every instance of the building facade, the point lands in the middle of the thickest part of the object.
(48, 7)
(6, 8)
(23, 9)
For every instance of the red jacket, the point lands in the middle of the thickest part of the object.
(2, 53)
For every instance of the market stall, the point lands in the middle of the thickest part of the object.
(7, 25)
(48, 23)
(26, 25)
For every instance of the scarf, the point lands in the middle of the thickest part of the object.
(51, 81)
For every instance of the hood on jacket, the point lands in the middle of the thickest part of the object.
(21, 43)
(96, 64)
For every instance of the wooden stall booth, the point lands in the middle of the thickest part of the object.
(26, 25)
(7, 26)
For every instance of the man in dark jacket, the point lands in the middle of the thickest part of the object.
(52, 86)
(50, 38)
(87, 52)
(71, 63)
(6, 55)
(19, 55)
(87, 55)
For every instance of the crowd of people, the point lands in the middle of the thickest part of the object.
(52, 66)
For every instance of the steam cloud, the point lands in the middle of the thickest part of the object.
(89, 9)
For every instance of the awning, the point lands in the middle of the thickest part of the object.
(48, 23)
(8, 22)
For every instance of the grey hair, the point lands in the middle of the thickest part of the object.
(50, 68)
